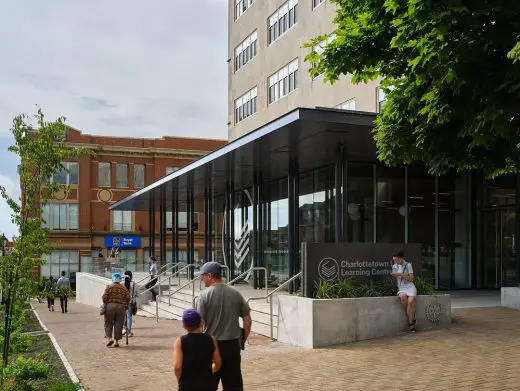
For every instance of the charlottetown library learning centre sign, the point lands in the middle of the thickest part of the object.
(361, 261)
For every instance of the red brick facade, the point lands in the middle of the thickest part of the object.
(95, 220)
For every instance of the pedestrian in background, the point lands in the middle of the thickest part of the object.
(195, 356)
(132, 309)
(153, 277)
(63, 290)
(116, 299)
(220, 306)
(50, 292)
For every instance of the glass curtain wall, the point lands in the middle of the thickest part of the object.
(360, 193)
(454, 231)
(421, 216)
(499, 232)
(316, 206)
(276, 231)
(218, 230)
(390, 201)
(243, 231)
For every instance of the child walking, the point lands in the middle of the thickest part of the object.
(195, 355)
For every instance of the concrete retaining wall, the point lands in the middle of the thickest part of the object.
(90, 288)
(510, 297)
(314, 323)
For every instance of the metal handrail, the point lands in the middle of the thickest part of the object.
(239, 277)
(268, 297)
(192, 282)
(158, 283)
(160, 274)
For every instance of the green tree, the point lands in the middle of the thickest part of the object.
(451, 73)
(41, 151)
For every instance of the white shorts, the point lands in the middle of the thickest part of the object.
(410, 292)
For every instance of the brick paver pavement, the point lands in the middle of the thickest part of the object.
(481, 351)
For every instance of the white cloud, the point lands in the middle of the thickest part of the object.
(118, 67)
(141, 69)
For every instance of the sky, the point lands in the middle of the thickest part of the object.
(116, 68)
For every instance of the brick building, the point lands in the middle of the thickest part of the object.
(80, 223)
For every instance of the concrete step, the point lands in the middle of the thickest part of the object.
(165, 311)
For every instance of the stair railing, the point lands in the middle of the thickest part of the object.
(164, 273)
(270, 300)
(252, 269)
(179, 288)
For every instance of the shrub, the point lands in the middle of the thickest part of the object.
(335, 290)
(369, 289)
(424, 286)
(21, 374)
(349, 288)
(18, 342)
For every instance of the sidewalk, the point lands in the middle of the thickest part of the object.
(480, 352)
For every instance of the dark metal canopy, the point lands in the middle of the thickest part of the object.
(308, 138)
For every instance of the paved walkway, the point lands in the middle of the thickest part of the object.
(480, 352)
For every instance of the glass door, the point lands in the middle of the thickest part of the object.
(499, 248)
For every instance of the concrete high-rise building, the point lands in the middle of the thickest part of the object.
(268, 74)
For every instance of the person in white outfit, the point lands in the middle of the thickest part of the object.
(402, 271)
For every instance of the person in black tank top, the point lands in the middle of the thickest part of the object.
(196, 357)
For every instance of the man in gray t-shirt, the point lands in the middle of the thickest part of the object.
(220, 306)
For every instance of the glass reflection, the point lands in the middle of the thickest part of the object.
(421, 216)
(276, 232)
(391, 210)
(360, 193)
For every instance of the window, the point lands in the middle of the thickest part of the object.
(121, 175)
(282, 20)
(183, 221)
(347, 105)
(183, 256)
(122, 220)
(241, 6)
(169, 170)
(104, 177)
(139, 174)
(246, 51)
(67, 176)
(316, 3)
(381, 99)
(319, 49)
(58, 261)
(245, 105)
(129, 259)
(283, 82)
(60, 216)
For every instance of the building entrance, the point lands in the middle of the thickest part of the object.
(499, 248)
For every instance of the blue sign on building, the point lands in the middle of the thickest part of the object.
(122, 241)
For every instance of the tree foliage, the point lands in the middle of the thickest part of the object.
(451, 73)
(42, 153)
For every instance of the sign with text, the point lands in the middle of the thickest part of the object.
(122, 241)
(361, 261)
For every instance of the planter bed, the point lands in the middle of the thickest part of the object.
(315, 323)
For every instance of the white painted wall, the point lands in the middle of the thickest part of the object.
(90, 288)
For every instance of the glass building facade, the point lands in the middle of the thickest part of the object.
(259, 211)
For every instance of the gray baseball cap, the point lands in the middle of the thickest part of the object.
(209, 268)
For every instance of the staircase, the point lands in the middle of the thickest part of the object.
(174, 299)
